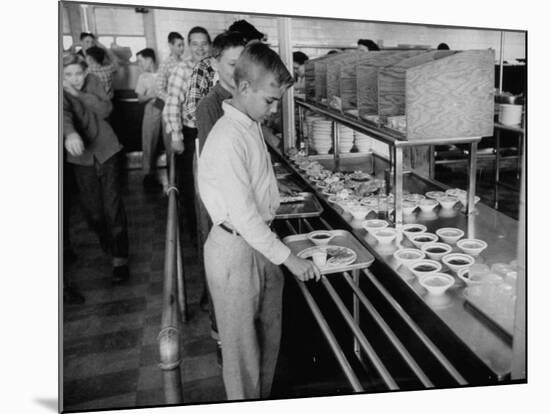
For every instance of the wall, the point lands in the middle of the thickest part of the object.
(316, 36)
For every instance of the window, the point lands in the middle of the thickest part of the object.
(67, 42)
(133, 43)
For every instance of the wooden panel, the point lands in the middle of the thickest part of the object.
(451, 97)
(391, 82)
(333, 72)
(368, 65)
(310, 80)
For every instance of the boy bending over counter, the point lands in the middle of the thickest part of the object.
(242, 255)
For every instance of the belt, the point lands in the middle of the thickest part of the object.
(233, 231)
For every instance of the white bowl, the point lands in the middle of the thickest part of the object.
(435, 195)
(456, 192)
(385, 235)
(374, 224)
(414, 197)
(449, 235)
(408, 257)
(320, 237)
(359, 212)
(413, 228)
(423, 238)
(425, 267)
(427, 205)
(457, 261)
(436, 251)
(464, 199)
(464, 275)
(436, 283)
(347, 205)
(472, 247)
(408, 207)
(448, 202)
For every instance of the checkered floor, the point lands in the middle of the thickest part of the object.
(110, 349)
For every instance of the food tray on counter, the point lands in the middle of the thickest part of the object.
(281, 171)
(299, 242)
(309, 207)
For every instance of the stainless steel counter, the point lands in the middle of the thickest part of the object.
(498, 230)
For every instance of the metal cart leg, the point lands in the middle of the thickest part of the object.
(398, 186)
(472, 182)
(497, 166)
(356, 345)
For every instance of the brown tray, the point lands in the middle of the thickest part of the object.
(299, 242)
(310, 207)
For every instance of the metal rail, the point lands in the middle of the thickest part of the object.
(174, 300)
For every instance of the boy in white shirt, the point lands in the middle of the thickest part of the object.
(242, 255)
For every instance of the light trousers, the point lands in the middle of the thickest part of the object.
(150, 131)
(247, 292)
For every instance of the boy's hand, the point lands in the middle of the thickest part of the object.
(177, 146)
(301, 268)
(74, 144)
(69, 88)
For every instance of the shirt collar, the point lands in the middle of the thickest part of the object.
(221, 92)
(236, 115)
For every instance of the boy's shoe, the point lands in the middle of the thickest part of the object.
(150, 182)
(71, 296)
(120, 274)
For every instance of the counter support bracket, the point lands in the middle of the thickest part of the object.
(472, 161)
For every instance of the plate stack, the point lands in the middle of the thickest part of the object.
(308, 124)
(345, 135)
(321, 136)
(363, 142)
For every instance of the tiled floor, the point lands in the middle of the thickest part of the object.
(110, 349)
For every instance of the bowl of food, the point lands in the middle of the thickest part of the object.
(448, 202)
(457, 261)
(468, 276)
(348, 204)
(456, 192)
(436, 251)
(408, 207)
(449, 235)
(407, 257)
(463, 198)
(422, 238)
(374, 224)
(427, 205)
(385, 235)
(359, 212)
(435, 195)
(425, 267)
(414, 197)
(413, 228)
(320, 237)
(473, 247)
(436, 283)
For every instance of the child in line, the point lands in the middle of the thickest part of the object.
(92, 146)
(242, 255)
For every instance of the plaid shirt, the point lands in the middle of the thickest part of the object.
(178, 84)
(165, 70)
(105, 75)
(203, 78)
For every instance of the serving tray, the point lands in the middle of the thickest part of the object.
(299, 242)
(310, 207)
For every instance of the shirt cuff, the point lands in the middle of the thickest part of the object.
(280, 253)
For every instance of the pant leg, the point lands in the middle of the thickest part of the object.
(91, 200)
(150, 130)
(113, 208)
(68, 191)
(167, 141)
(187, 182)
(243, 300)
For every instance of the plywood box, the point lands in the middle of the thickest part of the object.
(334, 68)
(442, 94)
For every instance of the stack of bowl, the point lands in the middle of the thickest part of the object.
(345, 138)
(321, 135)
(363, 142)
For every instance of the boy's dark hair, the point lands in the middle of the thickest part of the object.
(198, 29)
(147, 53)
(299, 57)
(332, 52)
(369, 44)
(97, 54)
(443, 46)
(258, 56)
(226, 40)
(248, 31)
(74, 59)
(86, 34)
(173, 36)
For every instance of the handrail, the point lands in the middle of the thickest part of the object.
(173, 300)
